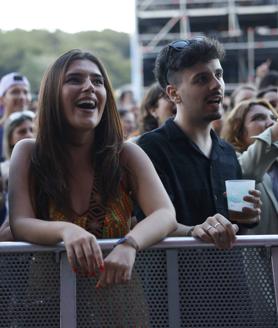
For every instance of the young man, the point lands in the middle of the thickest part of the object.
(193, 163)
(15, 93)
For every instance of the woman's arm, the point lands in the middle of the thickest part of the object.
(151, 196)
(259, 156)
(81, 246)
(159, 222)
(25, 226)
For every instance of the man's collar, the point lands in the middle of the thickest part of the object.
(216, 139)
(174, 132)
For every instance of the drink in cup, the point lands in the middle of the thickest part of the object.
(236, 190)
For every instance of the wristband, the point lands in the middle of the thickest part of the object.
(129, 241)
(189, 232)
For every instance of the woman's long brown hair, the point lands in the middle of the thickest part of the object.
(49, 173)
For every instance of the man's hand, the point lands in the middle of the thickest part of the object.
(250, 216)
(217, 230)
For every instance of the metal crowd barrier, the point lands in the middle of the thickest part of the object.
(180, 282)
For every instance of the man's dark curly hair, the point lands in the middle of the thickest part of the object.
(171, 60)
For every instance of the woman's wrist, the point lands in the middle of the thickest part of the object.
(128, 240)
(189, 231)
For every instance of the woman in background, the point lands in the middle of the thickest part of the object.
(252, 129)
(156, 108)
(18, 126)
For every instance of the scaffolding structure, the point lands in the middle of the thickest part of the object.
(247, 28)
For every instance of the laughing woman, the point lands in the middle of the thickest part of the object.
(76, 182)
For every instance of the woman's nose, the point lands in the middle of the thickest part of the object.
(29, 134)
(88, 85)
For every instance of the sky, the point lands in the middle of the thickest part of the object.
(68, 15)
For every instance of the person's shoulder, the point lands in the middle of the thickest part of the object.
(133, 157)
(129, 147)
(27, 143)
(21, 157)
(129, 151)
(226, 146)
(228, 152)
(152, 137)
(229, 148)
(24, 147)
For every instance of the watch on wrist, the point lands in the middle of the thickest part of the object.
(129, 241)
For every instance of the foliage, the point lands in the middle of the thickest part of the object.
(32, 52)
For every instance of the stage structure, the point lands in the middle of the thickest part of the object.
(248, 29)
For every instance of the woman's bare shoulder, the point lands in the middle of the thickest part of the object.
(130, 152)
(27, 144)
(134, 157)
(130, 148)
(23, 148)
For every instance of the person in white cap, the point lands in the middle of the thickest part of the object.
(15, 96)
(14, 93)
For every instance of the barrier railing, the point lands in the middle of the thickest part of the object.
(180, 282)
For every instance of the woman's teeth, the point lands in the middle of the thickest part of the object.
(87, 104)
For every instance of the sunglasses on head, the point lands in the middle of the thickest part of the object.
(18, 115)
(179, 45)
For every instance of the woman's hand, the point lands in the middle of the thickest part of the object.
(117, 266)
(83, 251)
(217, 230)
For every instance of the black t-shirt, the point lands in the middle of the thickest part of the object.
(195, 183)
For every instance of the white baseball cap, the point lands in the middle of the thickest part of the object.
(11, 79)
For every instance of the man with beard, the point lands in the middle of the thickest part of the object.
(192, 162)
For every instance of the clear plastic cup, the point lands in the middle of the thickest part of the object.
(236, 190)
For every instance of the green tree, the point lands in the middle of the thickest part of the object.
(32, 52)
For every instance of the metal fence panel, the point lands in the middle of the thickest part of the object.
(227, 288)
(29, 290)
(179, 283)
(141, 303)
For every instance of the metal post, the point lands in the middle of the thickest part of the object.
(136, 59)
(251, 55)
(184, 22)
(67, 294)
(274, 262)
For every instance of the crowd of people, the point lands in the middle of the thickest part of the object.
(167, 158)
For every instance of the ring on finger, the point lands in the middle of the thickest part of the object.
(217, 224)
(209, 227)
